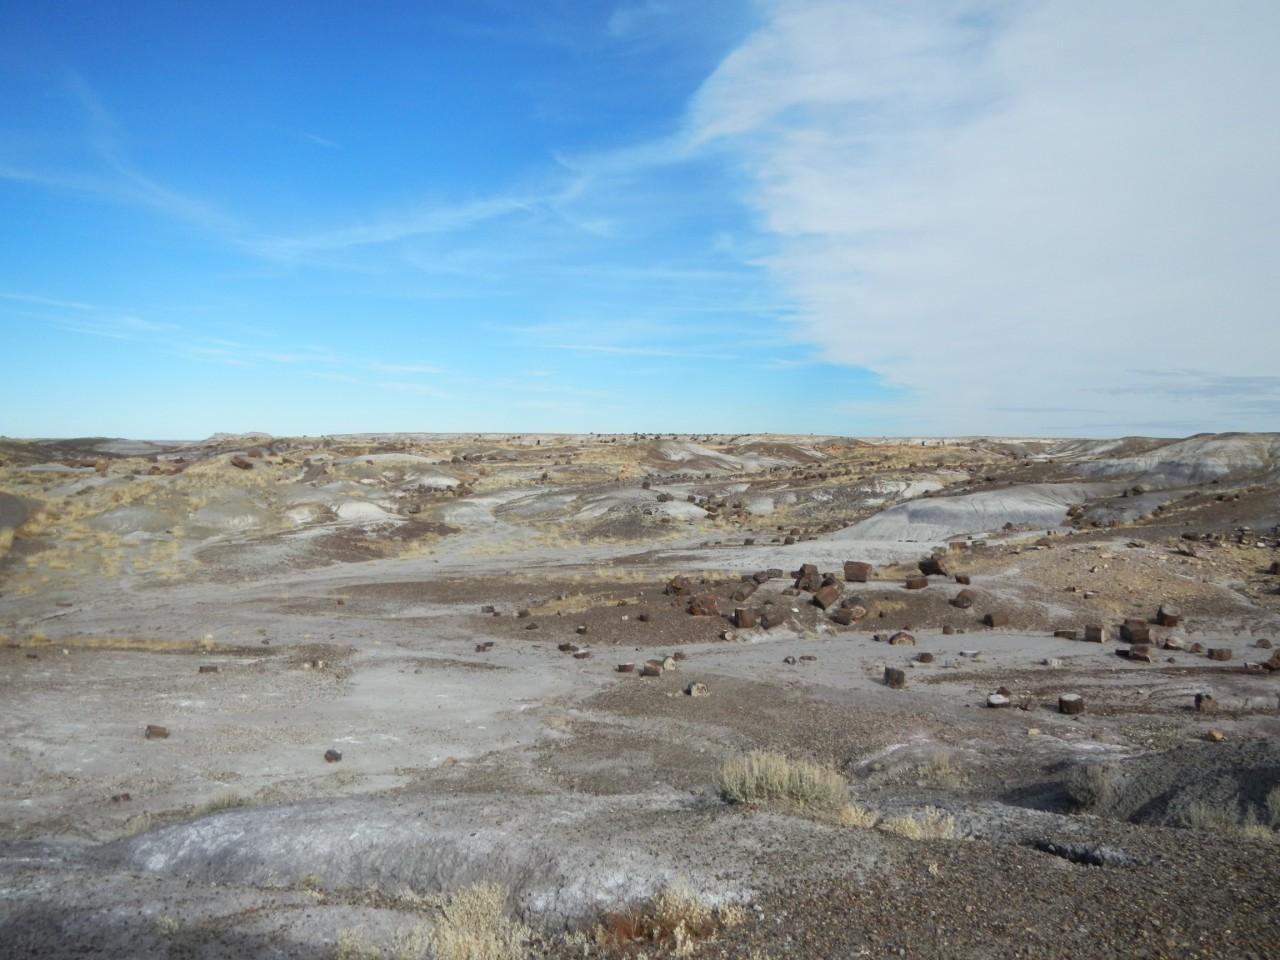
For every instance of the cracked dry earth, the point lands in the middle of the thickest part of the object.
(444, 618)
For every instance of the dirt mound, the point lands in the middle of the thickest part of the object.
(1041, 505)
(1199, 459)
(1163, 788)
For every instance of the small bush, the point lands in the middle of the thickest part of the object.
(760, 777)
(861, 818)
(930, 824)
(1227, 818)
(473, 925)
(353, 946)
(676, 919)
(1092, 785)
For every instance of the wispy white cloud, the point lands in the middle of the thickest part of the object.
(983, 201)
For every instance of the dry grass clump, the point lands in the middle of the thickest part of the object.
(1228, 818)
(938, 771)
(1092, 785)
(929, 824)
(352, 945)
(677, 919)
(223, 801)
(473, 925)
(858, 817)
(760, 777)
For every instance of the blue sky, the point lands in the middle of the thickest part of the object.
(857, 218)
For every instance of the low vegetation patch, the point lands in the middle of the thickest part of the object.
(676, 920)
(473, 925)
(1229, 818)
(858, 817)
(929, 824)
(1092, 785)
(760, 777)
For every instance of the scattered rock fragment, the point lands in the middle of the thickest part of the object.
(156, 732)
(332, 756)
(626, 668)
(1139, 653)
(998, 700)
(1220, 653)
(208, 668)
(902, 639)
(1095, 633)
(241, 462)
(789, 661)
(924, 657)
(582, 655)
(1205, 703)
(895, 678)
(1071, 704)
(996, 619)
(826, 595)
(857, 572)
(484, 647)
(962, 600)
(1135, 631)
(933, 566)
(1168, 615)
(1215, 736)
(963, 579)
(704, 605)
(744, 618)
(1065, 634)
(917, 583)
(697, 690)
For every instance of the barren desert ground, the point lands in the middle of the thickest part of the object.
(415, 695)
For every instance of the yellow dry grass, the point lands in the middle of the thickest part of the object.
(858, 817)
(929, 824)
(762, 777)
(473, 925)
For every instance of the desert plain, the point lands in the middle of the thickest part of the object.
(557, 695)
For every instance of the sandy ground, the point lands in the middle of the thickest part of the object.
(336, 595)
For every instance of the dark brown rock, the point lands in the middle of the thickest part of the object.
(241, 463)
(924, 657)
(745, 589)
(744, 618)
(332, 756)
(1135, 631)
(1140, 653)
(1095, 633)
(902, 639)
(1205, 703)
(843, 616)
(677, 586)
(626, 668)
(857, 572)
(208, 668)
(1065, 634)
(948, 630)
(1168, 615)
(1071, 704)
(917, 583)
(963, 578)
(996, 619)
(962, 600)
(895, 678)
(156, 732)
(1220, 653)
(827, 595)
(934, 566)
(704, 605)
